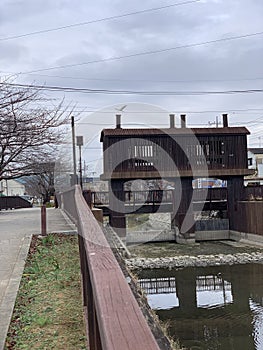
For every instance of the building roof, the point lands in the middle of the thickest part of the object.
(256, 150)
(173, 131)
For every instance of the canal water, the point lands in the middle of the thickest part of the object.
(210, 308)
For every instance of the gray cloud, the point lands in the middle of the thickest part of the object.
(207, 67)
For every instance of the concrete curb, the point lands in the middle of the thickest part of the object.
(69, 221)
(8, 302)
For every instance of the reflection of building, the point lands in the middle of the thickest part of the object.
(218, 308)
(12, 188)
(255, 162)
(220, 292)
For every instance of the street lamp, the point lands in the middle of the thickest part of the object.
(80, 143)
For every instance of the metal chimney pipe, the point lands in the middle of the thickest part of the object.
(225, 120)
(183, 121)
(118, 121)
(172, 124)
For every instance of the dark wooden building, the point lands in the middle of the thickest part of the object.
(177, 154)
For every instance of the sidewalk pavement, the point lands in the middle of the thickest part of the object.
(16, 228)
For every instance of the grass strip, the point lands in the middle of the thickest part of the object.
(48, 312)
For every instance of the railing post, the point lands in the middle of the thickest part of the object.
(43, 220)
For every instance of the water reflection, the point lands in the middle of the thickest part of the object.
(218, 308)
(212, 291)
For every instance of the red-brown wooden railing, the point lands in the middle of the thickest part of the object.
(113, 317)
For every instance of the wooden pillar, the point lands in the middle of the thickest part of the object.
(235, 193)
(88, 197)
(117, 207)
(183, 217)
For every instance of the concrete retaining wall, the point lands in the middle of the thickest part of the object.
(211, 235)
(245, 237)
(147, 236)
(212, 225)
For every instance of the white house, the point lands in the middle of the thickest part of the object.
(255, 161)
(12, 188)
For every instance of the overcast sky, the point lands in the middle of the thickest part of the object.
(225, 65)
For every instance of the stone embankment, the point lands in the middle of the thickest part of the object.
(194, 261)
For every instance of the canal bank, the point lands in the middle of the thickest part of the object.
(172, 255)
(209, 294)
(194, 261)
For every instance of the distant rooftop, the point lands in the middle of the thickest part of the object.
(258, 150)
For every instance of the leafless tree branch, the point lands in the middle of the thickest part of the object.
(29, 131)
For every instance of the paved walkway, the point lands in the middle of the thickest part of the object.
(16, 229)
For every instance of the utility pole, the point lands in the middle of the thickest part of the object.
(80, 143)
(74, 151)
(216, 122)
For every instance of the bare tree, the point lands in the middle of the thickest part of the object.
(29, 131)
(42, 184)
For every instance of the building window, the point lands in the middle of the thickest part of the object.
(143, 151)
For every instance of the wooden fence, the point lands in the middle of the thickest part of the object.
(250, 217)
(114, 319)
(14, 202)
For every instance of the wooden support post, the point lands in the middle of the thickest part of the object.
(235, 193)
(43, 220)
(183, 217)
(117, 207)
(87, 194)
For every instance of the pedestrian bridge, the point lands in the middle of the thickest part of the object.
(151, 201)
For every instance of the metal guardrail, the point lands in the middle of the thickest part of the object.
(113, 317)
(159, 196)
(135, 197)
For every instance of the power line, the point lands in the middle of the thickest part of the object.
(134, 92)
(92, 109)
(256, 133)
(230, 112)
(141, 80)
(98, 20)
(145, 53)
